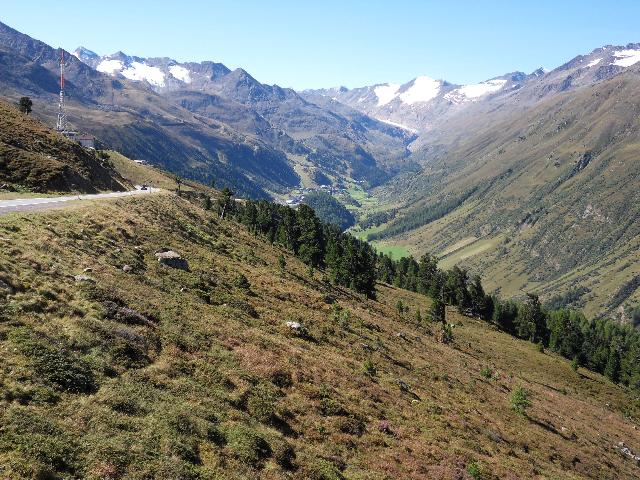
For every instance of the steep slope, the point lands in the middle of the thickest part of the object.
(35, 158)
(131, 117)
(168, 373)
(341, 143)
(539, 199)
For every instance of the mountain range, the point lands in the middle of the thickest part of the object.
(206, 121)
(532, 177)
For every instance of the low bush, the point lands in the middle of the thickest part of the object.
(247, 445)
(262, 402)
(331, 408)
(284, 454)
(473, 469)
(486, 373)
(53, 364)
(242, 282)
(369, 368)
(320, 469)
(520, 400)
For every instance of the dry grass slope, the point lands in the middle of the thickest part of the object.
(35, 158)
(164, 373)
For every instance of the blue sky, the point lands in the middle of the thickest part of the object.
(327, 43)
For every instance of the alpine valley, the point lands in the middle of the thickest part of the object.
(205, 277)
(530, 178)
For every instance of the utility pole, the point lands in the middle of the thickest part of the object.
(61, 123)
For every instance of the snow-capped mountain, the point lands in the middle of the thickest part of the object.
(162, 74)
(336, 142)
(417, 104)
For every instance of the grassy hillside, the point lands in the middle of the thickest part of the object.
(117, 366)
(35, 158)
(545, 200)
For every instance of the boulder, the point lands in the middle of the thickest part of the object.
(5, 287)
(172, 259)
(295, 326)
(84, 279)
(127, 269)
(125, 314)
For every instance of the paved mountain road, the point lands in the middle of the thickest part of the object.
(31, 204)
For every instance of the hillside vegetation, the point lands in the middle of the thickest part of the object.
(542, 200)
(330, 210)
(35, 158)
(118, 366)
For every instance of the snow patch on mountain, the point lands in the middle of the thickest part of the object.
(399, 125)
(140, 71)
(109, 66)
(626, 58)
(422, 90)
(479, 89)
(180, 73)
(386, 93)
(594, 63)
(474, 91)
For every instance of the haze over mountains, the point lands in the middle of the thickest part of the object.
(491, 174)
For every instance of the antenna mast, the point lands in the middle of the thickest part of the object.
(61, 123)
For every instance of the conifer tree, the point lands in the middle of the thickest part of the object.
(310, 236)
(225, 202)
(437, 311)
(25, 105)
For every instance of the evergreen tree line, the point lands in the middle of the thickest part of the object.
(330, 210)
(348, 261)
(601, 345)
(422, 215)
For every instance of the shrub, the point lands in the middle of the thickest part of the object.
(55, 365)
(184, 424)
(369, 368)
(320, 469)
(447, 333)
(215, 436)
(44, 447)
(284, 454)
(352, 425)
(330, 407)
(473, 469)
(124, 401)
(262, 402)
(247, 445)
(281, 378)
(486, 372)
(575, 364)
(520, 401)
(185, 448)
(242, 282)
